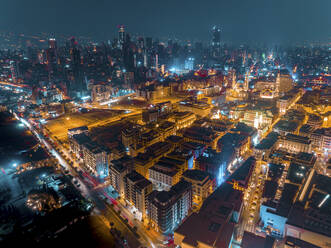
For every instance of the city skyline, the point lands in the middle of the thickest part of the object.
(145, 124)
(241, 22)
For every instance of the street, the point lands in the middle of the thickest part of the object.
(101, 208)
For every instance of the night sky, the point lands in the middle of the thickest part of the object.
(241, 20)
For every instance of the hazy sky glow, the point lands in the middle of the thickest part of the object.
(241, 20)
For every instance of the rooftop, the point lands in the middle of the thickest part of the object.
(215, 219)
(287, 126)
(251, 240)
(298, 243)
(297, 173)
(81, 138)
(297, 138)
(82, 128)
(306, 129)
(232, 139)
(268, 141)
(197, 175)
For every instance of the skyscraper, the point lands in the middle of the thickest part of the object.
(149, 43)
(216, 41)
(51, 56)
(121, 36)
(14, 70)
(52, 43)
(78, 84)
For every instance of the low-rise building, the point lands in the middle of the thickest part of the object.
(166, 129)
(144, 161)
(202, 185)
(197, 107)
(182, 119)
(214, 224)
(284, 127)
(294, 143)
(314, 121)
(321, 139)
(262, 150)
(201, 135)
(239, 142)
(163, 175)
(76, 143)
(78, 130)
(101, 92)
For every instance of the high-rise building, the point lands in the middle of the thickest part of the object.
(118, 170)
(121, 36)
(51, 56)
(96, 159)
(202, 185)
(189, 64)
(284, 82)
(78, 85)
(141, 44)
(216, 41)
(167, 209)
(214, 224)
(52, 43)
(14, 70)
(136, 190)
(149, 43)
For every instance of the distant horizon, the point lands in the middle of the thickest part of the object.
(163, 38)
(279, 22)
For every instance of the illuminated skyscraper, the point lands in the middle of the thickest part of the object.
(216, 41)
(14, 70)
(78, 85)
(121, 36)
(52, 43)
(51, 56)
(149, 43)
(189, 63)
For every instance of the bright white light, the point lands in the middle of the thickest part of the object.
(324, 200)
(108, 102)
(14, 165)
(255, 140)
(86, 97)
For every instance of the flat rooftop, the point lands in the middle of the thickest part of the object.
(197, 175)
(214, 218)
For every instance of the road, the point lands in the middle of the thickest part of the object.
(279, 117)
(253, 194)
(87, 190)
(252, 199)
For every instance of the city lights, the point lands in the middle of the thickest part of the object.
(203, 137)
